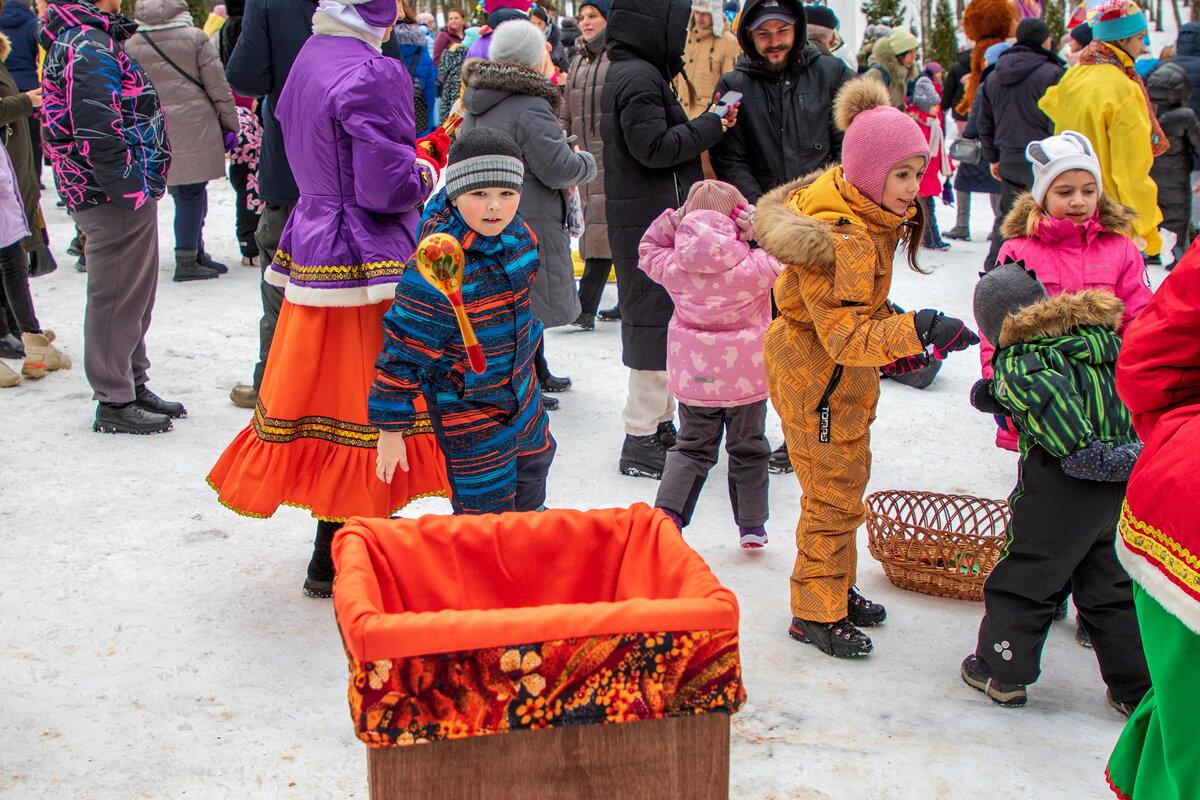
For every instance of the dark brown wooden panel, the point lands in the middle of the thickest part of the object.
(680, 758)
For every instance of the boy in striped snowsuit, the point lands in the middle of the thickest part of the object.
(1054, 375)
(491, 426)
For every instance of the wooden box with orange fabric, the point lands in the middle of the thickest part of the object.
(597, 644)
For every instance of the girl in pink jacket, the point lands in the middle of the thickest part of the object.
(722, 293)
(1072, 235)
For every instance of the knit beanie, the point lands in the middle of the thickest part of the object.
(1114, 20)
(518, 41)
(1053, 156)
(877, 135)
(1082, 33)
(924, 95)
(603, 6)
(902, 41)
(1033, 32)
(483, 158)
(713, 196)
(821, 16)
(1005, 290)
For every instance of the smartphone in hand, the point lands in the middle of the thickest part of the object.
(727, 101)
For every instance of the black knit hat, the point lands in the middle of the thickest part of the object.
(1033, 32)
(1082, 34)
(482, 158)
(1003, 291)
(821, 16)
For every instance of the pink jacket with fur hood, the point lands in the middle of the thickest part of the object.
(722, 293)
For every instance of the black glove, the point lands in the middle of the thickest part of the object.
(942, 335)
(983, 399)
(903, 366)
(1101, 462)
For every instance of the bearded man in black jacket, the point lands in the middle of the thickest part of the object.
(785, 121)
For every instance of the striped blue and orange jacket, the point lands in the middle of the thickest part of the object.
(423, 351)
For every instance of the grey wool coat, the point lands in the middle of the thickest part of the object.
(524, 104)
(580, 117)
(196, 117)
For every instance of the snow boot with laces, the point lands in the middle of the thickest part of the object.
(41, 356)
(839, 639)
(862, 612)
(643, 457)
(1009, 695)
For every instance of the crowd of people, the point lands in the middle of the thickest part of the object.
(749, 188)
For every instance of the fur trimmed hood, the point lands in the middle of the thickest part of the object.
(1057, 316)
(1027, 218)
(791, 237)
(508, 78)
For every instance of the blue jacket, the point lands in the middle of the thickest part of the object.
(273, 31)
(423, 351)
(20, 25)
(414, 54)
(1187, 55)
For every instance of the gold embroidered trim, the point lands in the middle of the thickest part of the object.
(337, 273)
(1172, 557)
(271, 429)
(307, 508)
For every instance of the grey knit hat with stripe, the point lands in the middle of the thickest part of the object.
(482, 158)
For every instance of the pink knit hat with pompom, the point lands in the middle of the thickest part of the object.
(877, 135)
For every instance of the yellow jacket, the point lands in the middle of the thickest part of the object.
(1102, 103)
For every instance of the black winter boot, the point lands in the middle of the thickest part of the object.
(780, 462)
(319, 580)
(129, 418)
(187, 268)
(609, 314)
(862, 612)
(205, 260)
(838, 639)
(152, 402)
(643, 457)
(585, 321)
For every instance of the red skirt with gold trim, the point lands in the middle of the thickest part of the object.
(309, 444)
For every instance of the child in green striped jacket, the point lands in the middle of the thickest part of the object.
(1054, 375)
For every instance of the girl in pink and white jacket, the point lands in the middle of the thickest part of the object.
(1072, 235)
(722, 293)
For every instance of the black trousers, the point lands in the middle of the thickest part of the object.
(247, 220)
(1062, 532)
(591, 283)
(270, 228)
(695, 453)
(1014, 180)
(19, 316)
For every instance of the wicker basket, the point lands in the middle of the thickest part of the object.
(935, 543)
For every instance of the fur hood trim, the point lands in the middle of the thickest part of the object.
(1056, 316)
(790, 236)
(506, 76)
(5, 47)
(1027, 216)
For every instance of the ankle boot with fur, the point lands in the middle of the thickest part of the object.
(7, 376)
(187, 268)
(41, 356)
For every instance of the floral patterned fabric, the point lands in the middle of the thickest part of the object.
(580, 681)
(250, 135)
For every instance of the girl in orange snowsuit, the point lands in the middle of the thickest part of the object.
(837, 233)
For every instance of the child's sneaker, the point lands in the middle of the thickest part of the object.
(1081, 635)
(752, 537)
(1009, 695)
(838, 639)
(862, 612)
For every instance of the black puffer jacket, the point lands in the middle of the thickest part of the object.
(953, 88)
(785, 123)
(1187, 55)
(1170, 91)
(651, 157)
(1009, 117)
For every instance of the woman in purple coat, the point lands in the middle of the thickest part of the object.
(347, 119)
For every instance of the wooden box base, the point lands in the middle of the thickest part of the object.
(678, 758)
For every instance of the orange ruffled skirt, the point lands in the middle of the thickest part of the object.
(310, 444)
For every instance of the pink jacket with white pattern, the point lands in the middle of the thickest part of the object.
(722, 293)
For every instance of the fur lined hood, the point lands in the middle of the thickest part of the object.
(1028, 219)
(1057, 316)
(502, 78)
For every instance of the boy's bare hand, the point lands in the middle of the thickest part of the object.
(391, 452)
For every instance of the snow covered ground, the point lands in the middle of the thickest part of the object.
(157, 645)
